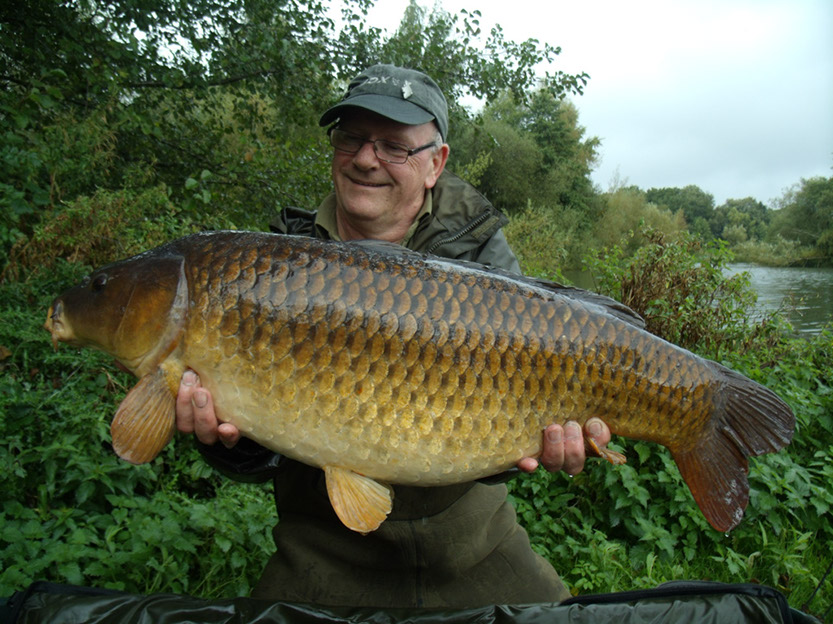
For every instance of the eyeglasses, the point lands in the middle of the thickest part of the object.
(394, 153)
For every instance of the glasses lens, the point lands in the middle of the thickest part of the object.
(391, 152)
(345, 141)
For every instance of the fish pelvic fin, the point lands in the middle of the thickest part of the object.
(146, 419)
(361, 503)
(594, 450)
(749, 420)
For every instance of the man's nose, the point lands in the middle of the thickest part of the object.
(366, 156)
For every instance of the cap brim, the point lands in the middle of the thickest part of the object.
(396, 109)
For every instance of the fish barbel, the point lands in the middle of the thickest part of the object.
(385, 366)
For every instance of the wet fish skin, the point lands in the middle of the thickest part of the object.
(365, 359)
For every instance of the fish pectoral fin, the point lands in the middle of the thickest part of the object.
(594, 450)
(145, 420)
(360, 502)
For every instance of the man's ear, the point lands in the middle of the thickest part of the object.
(438, 160)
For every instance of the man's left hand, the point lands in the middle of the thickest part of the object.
(564, 446)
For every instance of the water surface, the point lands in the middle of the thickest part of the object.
(805, 294)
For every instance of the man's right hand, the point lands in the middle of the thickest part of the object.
(195, 414)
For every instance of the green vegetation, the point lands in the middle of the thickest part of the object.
(128, 124)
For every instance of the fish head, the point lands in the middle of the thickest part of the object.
(132, 310)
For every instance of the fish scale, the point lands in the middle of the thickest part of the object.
(382, 366)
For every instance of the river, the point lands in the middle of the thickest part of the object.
(806, 294)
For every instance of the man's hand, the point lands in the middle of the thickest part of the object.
(195, 414)
(564, 446)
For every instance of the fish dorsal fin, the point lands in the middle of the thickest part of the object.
(361, 503)
(146, 418)
(387, 248)
(609, 305)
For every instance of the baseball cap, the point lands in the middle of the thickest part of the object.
(404, 95)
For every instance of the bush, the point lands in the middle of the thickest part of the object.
(546, 240)
(627, 210)
(679, 287)
(103, 228)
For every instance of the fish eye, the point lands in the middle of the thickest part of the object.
(99, 281)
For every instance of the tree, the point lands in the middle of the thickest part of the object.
(154, 87)
(697, 205)
(806, 215)
(452, 50)
(627, 216)
(214, 101)
(748, 214)
(537, 153)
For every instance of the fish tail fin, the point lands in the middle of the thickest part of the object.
(748, 420)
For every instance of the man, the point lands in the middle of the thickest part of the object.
(455, 546)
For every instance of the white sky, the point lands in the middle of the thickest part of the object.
(735, 96)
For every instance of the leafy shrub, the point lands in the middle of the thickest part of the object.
(103, 228)
(680, 288)
(546, 240)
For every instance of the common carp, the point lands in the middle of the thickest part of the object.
(385, 366)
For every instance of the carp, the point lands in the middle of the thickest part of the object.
(385, 366)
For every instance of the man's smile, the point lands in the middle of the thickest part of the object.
(366, 183)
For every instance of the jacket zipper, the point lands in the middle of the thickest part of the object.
(460, 233)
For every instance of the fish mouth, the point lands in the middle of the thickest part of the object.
(55, 325)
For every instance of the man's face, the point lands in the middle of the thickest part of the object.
(378, 197)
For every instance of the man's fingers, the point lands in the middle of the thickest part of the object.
(573, 449)
(205, 421)
(596, 429)
(184, 409)
(229, 434)
(528, 464)
(552, 457)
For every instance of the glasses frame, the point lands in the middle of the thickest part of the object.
(408, 150)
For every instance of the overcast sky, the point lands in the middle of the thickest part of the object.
(735, 96)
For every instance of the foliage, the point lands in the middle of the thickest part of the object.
(546, 239)
(679, 288)
(537, 153)
(747, 215)
(696, 205)
(452, 50)
(216, 102)
(775, 252)
(628, 210)
(806, 216)
(103, 228)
